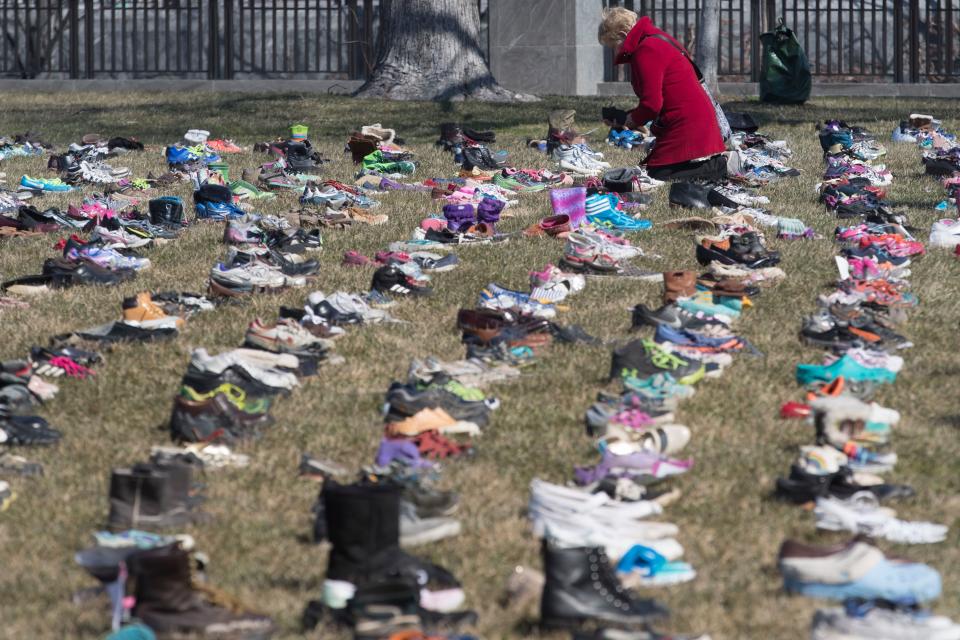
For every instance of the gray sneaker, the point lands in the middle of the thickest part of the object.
(416, 531)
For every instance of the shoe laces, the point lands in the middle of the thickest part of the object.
(70, 367)
(660, 357)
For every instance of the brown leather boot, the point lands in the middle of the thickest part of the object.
(678, 284)
(361, 146)
(171, 603)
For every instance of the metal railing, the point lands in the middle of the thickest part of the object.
(188, 38)
(845, 40)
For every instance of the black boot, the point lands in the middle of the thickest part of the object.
(581, 586)
(166, 211)
(451, 136)
(363, 526)
(479, 156)
(690, 195)
(168, 602)
(143, 497)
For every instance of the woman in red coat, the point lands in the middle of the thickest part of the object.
(688, 141)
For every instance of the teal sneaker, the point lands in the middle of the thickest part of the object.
(702, 304)
(661, 386)
(846, 368)
(44, 184)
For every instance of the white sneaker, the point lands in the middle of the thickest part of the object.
(196, 136)
(945, 233)
(576, 507)
(615, 543)
(572, 160)
(861, 514)
(119, 238)
(882, 624)
(255, 275)
(203, 361)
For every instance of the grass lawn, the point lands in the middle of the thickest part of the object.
(258, 542)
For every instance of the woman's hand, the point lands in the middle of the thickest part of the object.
(629, 123)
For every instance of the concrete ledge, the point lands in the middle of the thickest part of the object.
(178, 84)
(862, 89)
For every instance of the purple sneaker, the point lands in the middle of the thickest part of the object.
(489, 209)
(402, 451)
(642, 463)
(459, 216)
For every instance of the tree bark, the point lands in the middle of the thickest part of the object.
(708, 36)
(430, 50)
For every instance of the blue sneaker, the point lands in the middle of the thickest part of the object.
(218, 211)
(44, 184)
(854, 570)
(601, 212)
(179, 155)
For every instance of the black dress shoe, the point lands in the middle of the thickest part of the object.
(63, 273)
(801, 487)
(690, 195)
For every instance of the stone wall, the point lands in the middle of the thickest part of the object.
(546, 46)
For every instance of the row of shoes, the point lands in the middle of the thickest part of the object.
(840, 474)
(604, 528)
(265, 254)
(940, 159)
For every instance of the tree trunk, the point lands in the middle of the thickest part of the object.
(708, 36)
(430, 50)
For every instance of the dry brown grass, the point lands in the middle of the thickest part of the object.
(730, 526)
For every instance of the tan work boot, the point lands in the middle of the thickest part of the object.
(142, 310)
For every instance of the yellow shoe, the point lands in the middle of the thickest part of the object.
(142, 310)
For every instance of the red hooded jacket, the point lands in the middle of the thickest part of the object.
(685, 122)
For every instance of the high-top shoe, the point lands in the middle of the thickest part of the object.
(166, 211)
(678, 284)
(142, 311)
(145, 497)
(169, 602)
(581, 586)
(363, 526)
(459, 216)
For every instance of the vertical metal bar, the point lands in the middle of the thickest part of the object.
(755, 28)
(286, 53)
(829, 30)
(74, 38)
(352, 38)
(368, 39)
(914, 47)
(178, 12)
(213, 65)
(839, 37)
(729, 30)
(316, 37)
(155, 65)
(948, 31)
(241, 40)
(88, 38)
(898, 40)
(228, 39)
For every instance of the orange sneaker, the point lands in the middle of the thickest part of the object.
(431, 420)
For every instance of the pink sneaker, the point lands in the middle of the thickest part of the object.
(434, 224)
(355, 259)
(386, 257)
